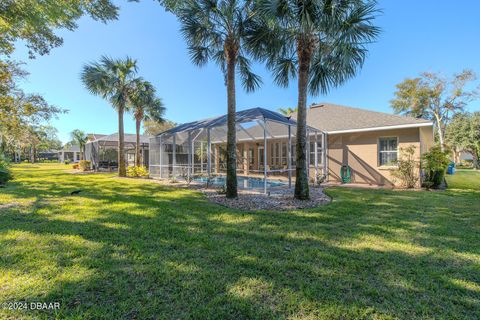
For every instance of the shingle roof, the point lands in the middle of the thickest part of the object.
(95, 136)
(331, 118)
(70, 148)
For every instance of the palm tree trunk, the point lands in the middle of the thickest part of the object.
(137, 146)
(122, 172)
(231, 129)
(301, 182)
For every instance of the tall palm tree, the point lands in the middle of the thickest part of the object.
(322, 42)
(145, 106)
(114, 80)
(79, 137)
(215, 30)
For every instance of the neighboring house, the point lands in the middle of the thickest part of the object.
(48, 155)
(102, 150)
(95, 136)
(369, 142)
(464, 155)
(69, 152)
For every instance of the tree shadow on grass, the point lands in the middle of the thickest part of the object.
(170, 254)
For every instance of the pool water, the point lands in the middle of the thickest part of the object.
(243, 182)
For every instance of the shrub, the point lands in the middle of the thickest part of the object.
(137, 171)
(75, 166)
(84, 165)
(67, 161)
(407, 167)
(435, 163)
(5, 174)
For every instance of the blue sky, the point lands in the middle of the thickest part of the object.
(427, 35)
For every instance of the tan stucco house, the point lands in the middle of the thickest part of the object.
(367, 141)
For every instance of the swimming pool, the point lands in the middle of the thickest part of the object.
(243, 182)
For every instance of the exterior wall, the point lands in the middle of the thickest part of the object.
(360, 152)
(357, 150)
(427, 139)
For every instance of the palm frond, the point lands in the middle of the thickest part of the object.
(250, 81)
(199, 55)
(283, 70)
(110, 78)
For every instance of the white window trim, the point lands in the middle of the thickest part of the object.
(379, 151)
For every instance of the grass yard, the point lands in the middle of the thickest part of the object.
(131, 249)
(464, 179)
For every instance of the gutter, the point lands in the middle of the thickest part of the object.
(401, 126)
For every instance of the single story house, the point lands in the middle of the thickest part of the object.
(367, 142)
(102, 150)
(50, 155)
(69, 152)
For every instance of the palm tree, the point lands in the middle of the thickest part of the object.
(323, 43)
(287, 111)
(145, 106)
(114, 80)
(79, 137)
(215, 30)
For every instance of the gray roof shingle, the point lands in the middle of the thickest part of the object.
(332, 117)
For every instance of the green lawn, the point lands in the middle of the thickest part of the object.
(464, 179)
(132, 249)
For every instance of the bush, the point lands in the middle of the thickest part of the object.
(5, 174)
(84, 165)
(137, 171)
(435, 163)
(407, 168)
(67, 161)
(75, 166)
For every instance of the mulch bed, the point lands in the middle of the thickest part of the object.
(277, 200)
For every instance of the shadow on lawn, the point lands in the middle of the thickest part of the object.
(170, 254)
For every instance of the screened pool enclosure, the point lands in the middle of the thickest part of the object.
(196, 151)
(103, 151)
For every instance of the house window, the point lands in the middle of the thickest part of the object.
(388, 151)
(312, 153)
(284, 153)
(277, 154)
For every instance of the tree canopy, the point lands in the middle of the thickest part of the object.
(36, 22)
(434, 97)
(22, 115)
(463, 133)
(151, 127)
